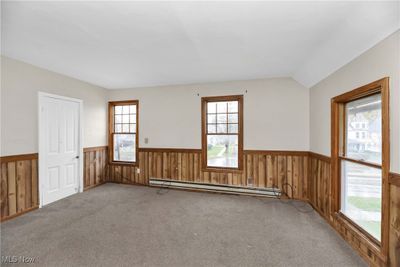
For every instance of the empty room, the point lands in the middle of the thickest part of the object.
(198, 133)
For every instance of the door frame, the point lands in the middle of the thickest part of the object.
(42, 155)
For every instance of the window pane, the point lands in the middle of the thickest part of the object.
(364, 129)
(211, 118)
(233, 118)
(233, 106)
(133, 128)
(118, 109)
(222, 128)
(132, 109)
(222, 151)
(124, 147)
(118, 128)
(118, 118)
(125, 128)
(222, 107)
(125, 109)
(211, 128)
(125, 118)
(361, 196)
(132, 118)
(212, 107)
(233, 128)
(222, 118)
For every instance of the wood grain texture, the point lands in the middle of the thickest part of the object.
(394, 179)
(394, 229)
(19, 180)
(302, 175)
(95, 166)
(260, 169)
(320, 197)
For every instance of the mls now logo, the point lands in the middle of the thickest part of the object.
(17, 259)
(9, 259)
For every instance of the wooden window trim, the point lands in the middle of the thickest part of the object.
(204, 101)
(111, 106)
(338, 123)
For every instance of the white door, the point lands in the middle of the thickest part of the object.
(60, 148)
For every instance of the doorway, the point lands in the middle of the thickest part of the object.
(60, 147)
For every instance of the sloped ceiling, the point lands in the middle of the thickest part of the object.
(137, 44)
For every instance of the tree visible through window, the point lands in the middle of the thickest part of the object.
(123, 130)
(222, 131)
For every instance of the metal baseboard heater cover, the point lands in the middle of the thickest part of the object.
(268, 192)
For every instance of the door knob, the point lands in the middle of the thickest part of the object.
(77, 157)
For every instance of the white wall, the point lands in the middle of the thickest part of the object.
(20, 84)
(380, 61)
(276, 113)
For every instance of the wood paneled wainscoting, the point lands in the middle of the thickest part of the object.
(19, 179)
(320, 197)
(19, 185)
(302, 175)
(394, 230)
(286, 170)
(95, 166)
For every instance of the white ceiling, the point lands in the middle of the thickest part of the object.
(135, 44)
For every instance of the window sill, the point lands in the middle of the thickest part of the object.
(364, 236)
(124, 163)
(221, 170)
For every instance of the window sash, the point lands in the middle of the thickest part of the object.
(229, 131)
(134, 148)
(338, 155)
(359, 126)
(128, 127)
(343, 209)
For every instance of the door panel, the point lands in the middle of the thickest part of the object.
(54, 179)
(60, 121)
(70, 174)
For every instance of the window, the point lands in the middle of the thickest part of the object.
(123, 131)
(360, 166)
(222, 127)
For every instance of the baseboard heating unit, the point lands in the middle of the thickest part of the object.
(266, 192)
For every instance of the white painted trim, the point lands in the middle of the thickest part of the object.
(41, 159)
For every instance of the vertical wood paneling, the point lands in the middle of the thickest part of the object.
(394, 231)
(308, 176)
(4, 190)
(12, 188)
(319, 192)
(35, 182)
(95, 166)
(261, 169)
(19, 185)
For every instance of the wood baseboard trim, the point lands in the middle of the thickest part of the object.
(171, 150)
(277, 152)
(93, 186)
(394, 179)
(319, 156)
(94, 148)
(20, 157)
(18, 214)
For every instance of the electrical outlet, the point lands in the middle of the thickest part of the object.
(146, 140)
(138, 171)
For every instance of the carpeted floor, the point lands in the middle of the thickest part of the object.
(124, 225)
